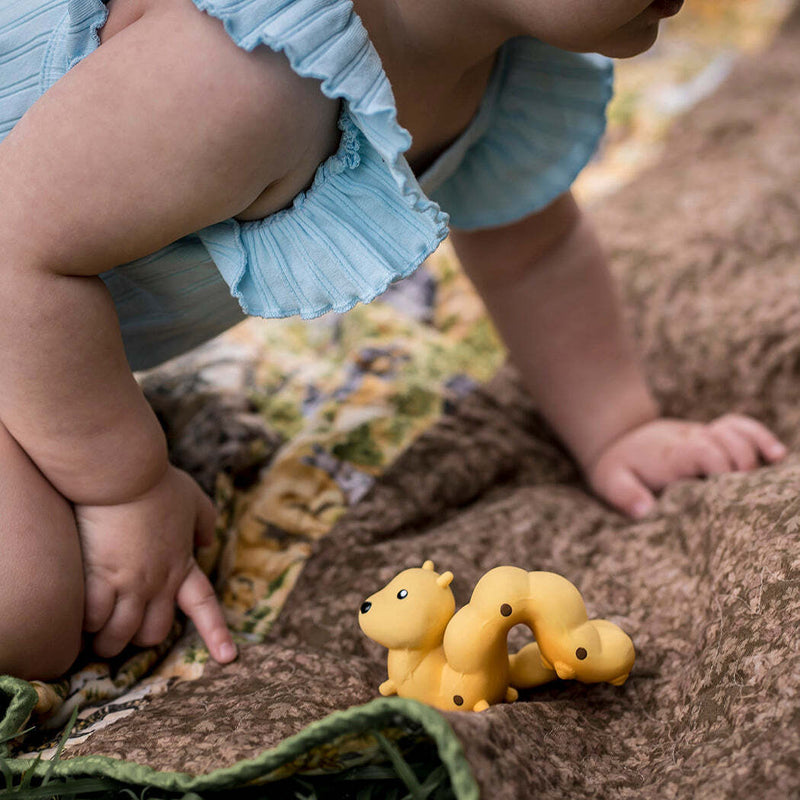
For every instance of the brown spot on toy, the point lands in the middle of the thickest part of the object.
(458, 700)
(581, 653)
(506, 610)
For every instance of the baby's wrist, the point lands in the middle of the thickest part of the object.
(629, 416)
(131, 469)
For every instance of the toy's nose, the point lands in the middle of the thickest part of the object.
(365, 607)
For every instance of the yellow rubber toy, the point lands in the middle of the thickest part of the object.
(460, 661)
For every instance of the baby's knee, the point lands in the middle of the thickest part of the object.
(41, 571)
(41, 620)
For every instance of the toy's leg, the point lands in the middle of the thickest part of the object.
(528, 669)
(511, 694)
(481, 705)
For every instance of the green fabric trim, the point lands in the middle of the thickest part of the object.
(17, 701)
(378, 714)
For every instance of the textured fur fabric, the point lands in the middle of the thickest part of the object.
(707, 245)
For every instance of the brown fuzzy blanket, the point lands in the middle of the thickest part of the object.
(707, 245)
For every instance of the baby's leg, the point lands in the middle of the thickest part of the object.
(41, 580)
(167, 128)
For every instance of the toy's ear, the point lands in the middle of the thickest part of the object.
(428, 565)
(444, 580)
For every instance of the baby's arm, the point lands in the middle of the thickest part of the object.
(547, 286)
(166, 128)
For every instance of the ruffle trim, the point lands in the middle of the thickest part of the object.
(543, 125)
(342, 231)
(364, 222)
(344, 240)
(74, 38)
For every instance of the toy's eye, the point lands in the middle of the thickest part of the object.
(402, 594)
(581, 653)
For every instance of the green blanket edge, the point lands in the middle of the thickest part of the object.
(20, 698)
(17, 701)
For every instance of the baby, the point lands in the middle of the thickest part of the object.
(159, 156)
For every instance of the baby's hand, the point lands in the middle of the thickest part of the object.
(650, 457)
(138, 562)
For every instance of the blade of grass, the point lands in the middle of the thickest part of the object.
(27, 776)
(7, 776)
(16, 735)
(432, 782)
(404, 771)
(370, 772)
(57, 757)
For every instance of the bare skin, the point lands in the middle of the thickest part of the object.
(547, 286)
(76, 430)
(68, 397)
(544, 280)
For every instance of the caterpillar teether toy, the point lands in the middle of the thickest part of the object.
(460, 661)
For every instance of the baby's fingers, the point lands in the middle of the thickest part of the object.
(197, 600)
(620, 487)
(125, 620)
(99, 598)
(157, 621)
(754, 433)
(741, 450)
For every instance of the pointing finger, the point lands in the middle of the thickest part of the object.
(197, 600)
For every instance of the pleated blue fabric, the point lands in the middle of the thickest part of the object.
(167, 302)
(366, 220)
(540, 122)
(26, 30)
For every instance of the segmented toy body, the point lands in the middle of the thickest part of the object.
(460, 661)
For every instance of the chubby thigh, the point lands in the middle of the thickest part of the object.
(164, 129)
(41, 577)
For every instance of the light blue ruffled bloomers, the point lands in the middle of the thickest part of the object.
(366, 220)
